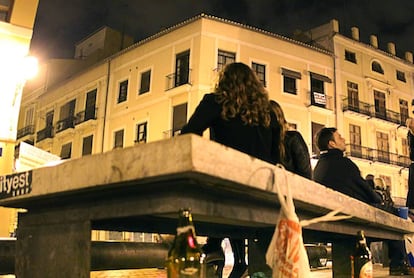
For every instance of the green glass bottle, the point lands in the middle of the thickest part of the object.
(362, 258)
(185, 257)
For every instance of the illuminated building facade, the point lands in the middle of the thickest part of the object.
(147, 92)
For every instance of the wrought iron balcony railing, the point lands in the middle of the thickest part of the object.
(178, 78)
(351, 104)
(27, 130)
(377, 155)
(47, 132)
(65, 124)
(86, 115)
(320, 100)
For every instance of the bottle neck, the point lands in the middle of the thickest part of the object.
(185, 229)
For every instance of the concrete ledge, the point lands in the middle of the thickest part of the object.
(214, 165)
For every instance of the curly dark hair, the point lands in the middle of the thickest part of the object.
(242, 95)
(280, 116)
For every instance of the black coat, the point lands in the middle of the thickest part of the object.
(338, 172)
(297, 159)
(257, 141)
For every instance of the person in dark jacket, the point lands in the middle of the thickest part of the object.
(410, 194)
(238, 115)
(293, 151)
(338, 172)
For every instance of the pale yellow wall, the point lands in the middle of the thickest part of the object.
(24, 13)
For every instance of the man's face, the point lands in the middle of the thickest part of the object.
(338, 142)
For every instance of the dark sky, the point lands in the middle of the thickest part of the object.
(61, 23)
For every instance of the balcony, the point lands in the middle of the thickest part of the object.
(45, 133)
(177, 79)
(65, 124)
(363, 108)
(377, 155)
(350, 104)
(27, 130)
(320, 100)
(86, 115)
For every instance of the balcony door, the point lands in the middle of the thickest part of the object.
(182, 68)
(90, 105)
(383, 147)
(379, 101)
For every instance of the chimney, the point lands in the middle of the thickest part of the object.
(409, 56)
(374, 41)
(355, 33)
(391, 48)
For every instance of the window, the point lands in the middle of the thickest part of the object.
(145, 82)
(315, 129)
(383, 147)
(5, 10)
(87, 145)
(379, 103)
(318, 97)
(29, 119)
(179, 118)
(355, 140)
(405, 148)
(67, 110)
(289, 81)
(67, 116)
(403, 111)
(90, 105)
(123, 91)
(353, 98)
(375, 66)
(141, 133)
(350, 56)
(400, 75)
(66, 151)
(260, 71)
(119, 139)
(224, 58)
(182, 68)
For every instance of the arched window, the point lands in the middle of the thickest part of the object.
(375, 66)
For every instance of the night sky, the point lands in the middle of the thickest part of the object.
(60, 23)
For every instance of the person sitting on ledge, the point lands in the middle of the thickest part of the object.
(338, 172)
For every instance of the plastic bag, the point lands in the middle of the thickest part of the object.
(286, 254)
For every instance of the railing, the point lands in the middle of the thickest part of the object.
(47, 132)
(177, 79)
(377, 155)
(320, 100)
(86, 115)
(65, 124)
(27, 130)
(350, 104)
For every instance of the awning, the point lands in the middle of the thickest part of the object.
(291, 73)
(320, 77)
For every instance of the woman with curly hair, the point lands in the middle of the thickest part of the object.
(238, 115)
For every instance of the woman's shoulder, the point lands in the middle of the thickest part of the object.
(293, 135)
(210, 99)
